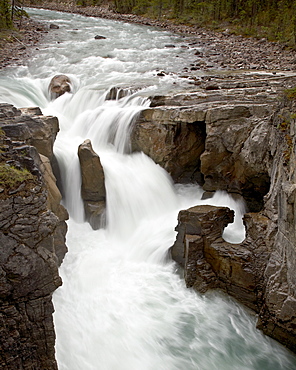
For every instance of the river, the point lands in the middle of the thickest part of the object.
(123, 304)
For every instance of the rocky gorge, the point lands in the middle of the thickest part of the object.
(239, 138)
(232, 132)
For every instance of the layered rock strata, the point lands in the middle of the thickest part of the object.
(32, 234)
(248, 135)
(217, 137)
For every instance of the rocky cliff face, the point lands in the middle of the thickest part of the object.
(238, 137)
(32, 235)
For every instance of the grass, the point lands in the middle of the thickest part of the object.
(11, 177)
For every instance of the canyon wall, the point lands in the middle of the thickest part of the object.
(238, 137)
(32, 235)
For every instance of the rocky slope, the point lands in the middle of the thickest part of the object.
(32, 234)
(239, 137)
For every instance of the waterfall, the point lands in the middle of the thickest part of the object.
(123, 304)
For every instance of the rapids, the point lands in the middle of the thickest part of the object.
(123, 304)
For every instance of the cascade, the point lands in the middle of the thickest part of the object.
(123, 304)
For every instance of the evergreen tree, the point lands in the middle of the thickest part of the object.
(5, 14)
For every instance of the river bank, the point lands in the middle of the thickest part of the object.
(214, 50)
(17, 45)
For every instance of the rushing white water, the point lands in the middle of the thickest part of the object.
(123, 305)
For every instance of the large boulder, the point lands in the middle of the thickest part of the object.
(93, 190)
(59, 85)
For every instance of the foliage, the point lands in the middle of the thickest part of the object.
(275, 20)
(5, 14)
(88, 2)
(9, 10)
(11, 177)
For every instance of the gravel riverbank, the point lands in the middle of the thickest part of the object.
(17, 45)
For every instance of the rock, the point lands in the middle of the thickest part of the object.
(59, 85)
(93, 190)
(28, 264)
(174, 139)
(209, 262)
(205, 221)
(212, 86)
(53, 26)
(249, 149)
(116, 93)
(24, 125)
(54, 198)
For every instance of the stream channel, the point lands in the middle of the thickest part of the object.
(123, 304)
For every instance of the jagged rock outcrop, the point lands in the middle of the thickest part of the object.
(212, 263)
(59, 85)
(28, 263)
(93, 190)
(32, 234)
(251, 154)
(30, 126)
(217, 138)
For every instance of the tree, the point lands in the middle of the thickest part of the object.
(5, 14)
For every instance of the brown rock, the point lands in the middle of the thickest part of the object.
(59, 85)
(174, 139)
(93, 190)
